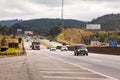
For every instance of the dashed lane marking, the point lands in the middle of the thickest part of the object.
(81, 78)
(106, 77)
(66, 72)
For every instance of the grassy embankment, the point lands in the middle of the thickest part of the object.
(10, 51)
(72, 36)
(44, 43)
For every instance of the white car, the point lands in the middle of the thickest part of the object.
(64, 48)
(49, 46)
(52, 48)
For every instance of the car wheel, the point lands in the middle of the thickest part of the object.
(74, 54)
(77, 54)
(86, 54)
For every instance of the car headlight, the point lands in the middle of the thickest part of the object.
(86, 50)
(78, 50)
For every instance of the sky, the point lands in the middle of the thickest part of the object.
(84, 10)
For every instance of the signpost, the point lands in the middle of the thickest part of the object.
(112, 44)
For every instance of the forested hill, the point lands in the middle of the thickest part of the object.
(49, 23)
(109, 22)
(9, 23)
(45, 25)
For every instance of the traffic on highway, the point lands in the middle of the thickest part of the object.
(102, 67)
(60, 40)
(43, 61)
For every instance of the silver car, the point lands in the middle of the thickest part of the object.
(52, 48)
(64, 48)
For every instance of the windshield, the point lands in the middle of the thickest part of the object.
(36, 43)
(64, 46)
(81, 47)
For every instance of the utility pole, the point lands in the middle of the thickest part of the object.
(62, 15)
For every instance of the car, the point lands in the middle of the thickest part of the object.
(80, 50)
(50, 40)
(49, 46)
(64, 48)
(52, 48)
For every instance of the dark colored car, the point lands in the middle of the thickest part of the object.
(80, 50)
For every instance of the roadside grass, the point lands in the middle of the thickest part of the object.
(11, 51)
(61, 39)
(44, 43)
(72, 36)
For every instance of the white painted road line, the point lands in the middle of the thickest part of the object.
(60, 69)
(109, 77)
(59, 77)
(66, 72)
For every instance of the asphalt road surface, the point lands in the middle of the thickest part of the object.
(59, 65)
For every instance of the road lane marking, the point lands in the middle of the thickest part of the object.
(66, 72)
(60, 69)
(97, 60)
(109, 77)
(82, 78)
(56, 67)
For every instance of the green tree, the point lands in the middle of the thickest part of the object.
(118, 39)
(56, 30)
(4, 30)
(112, 37)
(4, 41)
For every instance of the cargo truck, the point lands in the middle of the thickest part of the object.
(35, 45)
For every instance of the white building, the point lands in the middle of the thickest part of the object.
(93, 26)
(28, 32)
(95, 44)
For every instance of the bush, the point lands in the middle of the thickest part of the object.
(11, 51)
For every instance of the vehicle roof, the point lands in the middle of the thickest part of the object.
(80, 45)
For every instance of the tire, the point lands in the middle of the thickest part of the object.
(77, 54)
(74, 54)
(86, 54)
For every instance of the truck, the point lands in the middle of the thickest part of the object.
(35, 45)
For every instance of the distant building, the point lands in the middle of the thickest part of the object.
(95, 44)
(19, 30)
(93, 26)
(28, 32)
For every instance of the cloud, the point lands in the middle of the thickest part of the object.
(54, 3)
(73, 9)
(108, 0)
(47, 2)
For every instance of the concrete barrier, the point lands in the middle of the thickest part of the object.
(99, 50)
(105, 50)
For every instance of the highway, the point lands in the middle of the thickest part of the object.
(105, 64)
(102, 64)
(59, 65)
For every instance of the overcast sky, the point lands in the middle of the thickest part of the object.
(85, 10)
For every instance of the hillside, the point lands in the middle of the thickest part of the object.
(52, 23)
(72, 36)
(109, 22)
(9, 22)
(43, 26)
